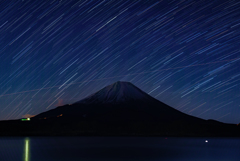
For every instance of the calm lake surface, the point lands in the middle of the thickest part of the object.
(118, 149)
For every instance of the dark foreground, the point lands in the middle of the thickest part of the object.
(71, 127)
(118, 149)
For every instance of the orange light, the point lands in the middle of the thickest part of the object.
(59, 115)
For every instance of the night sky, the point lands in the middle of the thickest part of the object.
(185, 53)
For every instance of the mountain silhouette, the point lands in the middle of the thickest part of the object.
(118, 109)
(120, 101)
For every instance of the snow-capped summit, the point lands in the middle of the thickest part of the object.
(118, 92)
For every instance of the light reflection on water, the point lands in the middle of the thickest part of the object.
(118, 149)
(26, 149)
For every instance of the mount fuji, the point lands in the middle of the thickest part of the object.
(120, 101)
(119, 109)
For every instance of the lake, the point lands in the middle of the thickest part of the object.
(118, 149)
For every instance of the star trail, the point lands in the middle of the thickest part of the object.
(184, 53)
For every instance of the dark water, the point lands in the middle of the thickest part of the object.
(118, 149)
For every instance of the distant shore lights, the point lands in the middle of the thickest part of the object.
(25, 119)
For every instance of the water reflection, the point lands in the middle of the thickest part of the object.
(26, 149)
(118, 148)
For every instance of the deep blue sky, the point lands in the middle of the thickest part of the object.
(184, 53)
